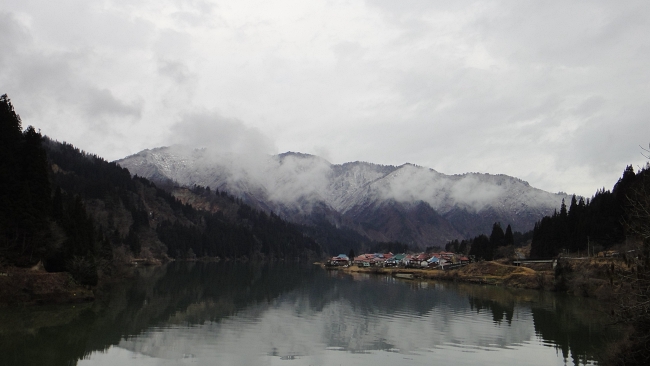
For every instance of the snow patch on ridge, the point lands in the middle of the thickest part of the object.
(299, 181)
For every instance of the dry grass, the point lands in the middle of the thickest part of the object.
(25, 286)
(594, 277)
(483, 272)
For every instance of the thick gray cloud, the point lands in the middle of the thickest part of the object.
(220, 134)
(555, 93)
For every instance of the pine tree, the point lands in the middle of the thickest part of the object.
(481, 248)
(563, 211)
(57, 204)
(24, 189)
(10, 185)
(497, 239)
(462, 248)
(509, 237)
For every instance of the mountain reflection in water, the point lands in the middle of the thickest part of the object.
(243, 314)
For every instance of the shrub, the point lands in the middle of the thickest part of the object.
(83, 270)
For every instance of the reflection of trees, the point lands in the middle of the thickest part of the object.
(46, 346)
(382, 313)
(378, 313)
(570, 323)
(498, 310)
(381, 295)
(152, 298)
(573, 328)
(574, 325)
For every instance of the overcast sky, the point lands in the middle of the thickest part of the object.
(553, 92)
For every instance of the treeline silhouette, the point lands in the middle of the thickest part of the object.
(341, 240)
(25, 193)
(74, 211)
(595, 224)
(500, 243)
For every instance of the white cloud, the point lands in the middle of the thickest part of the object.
(554, 92)
(219, 134)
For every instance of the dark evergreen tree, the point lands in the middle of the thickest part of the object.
(497, 239)
(34, 171)
(24, 190)
(599, 221)
(452, 246)
(481, 248)
(462, 248)
(632, 305)
(10, 140)
(509, 238)
(51, 193)
(57, 204)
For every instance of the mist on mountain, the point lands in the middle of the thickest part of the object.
(305, 188)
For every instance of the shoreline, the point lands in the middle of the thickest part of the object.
(486, 273)
(26, 287)
(598, 278)
(35, 286)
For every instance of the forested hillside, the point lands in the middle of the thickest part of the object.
(595, 224)
(25, 191)
(75, 212)
(499, 244)
(407, 203)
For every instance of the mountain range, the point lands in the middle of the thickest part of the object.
(407, 203)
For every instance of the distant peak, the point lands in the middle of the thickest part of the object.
(301, 156)
(411, 165)
(296, 154)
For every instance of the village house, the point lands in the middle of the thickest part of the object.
(338, 261)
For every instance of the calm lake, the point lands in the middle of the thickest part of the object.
(242, 314)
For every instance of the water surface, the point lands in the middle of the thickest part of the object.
(242, 314)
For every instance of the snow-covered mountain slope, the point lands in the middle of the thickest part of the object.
(408, 203)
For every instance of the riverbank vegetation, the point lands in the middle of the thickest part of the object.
(487, 272)
(191, 295)
(602, 247)
(594, 277)
(615, 223)
(63, 210)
